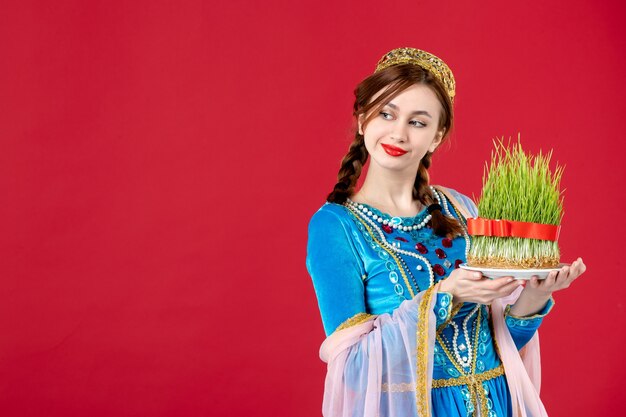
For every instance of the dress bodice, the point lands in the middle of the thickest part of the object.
(401, 256)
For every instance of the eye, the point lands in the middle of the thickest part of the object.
(417, 123)
(384, 114)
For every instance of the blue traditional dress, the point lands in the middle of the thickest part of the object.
(365, 262)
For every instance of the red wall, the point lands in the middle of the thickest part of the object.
(160, 161)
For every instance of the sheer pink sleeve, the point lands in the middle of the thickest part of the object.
(388, 353)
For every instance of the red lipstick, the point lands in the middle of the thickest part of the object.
(392, 150)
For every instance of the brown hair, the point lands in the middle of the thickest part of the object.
(397, 78)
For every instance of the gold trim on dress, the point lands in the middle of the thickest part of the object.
(469, 379)
(354, 320)
(446, 383)
(421, 394)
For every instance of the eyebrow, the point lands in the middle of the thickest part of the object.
(424, 112)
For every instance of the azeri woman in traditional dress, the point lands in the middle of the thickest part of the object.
(409, 333)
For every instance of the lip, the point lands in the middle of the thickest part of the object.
(392, 150)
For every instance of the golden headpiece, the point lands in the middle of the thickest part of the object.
(422, 59)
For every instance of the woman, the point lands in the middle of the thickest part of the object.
(409, 333)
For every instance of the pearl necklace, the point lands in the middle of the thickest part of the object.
(395, 222)
(436, 194)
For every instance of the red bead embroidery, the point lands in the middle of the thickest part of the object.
(457, 263)
(402, 239)
(387, 228)
(440, 253)
(439, 269)
(421, 248)
(446, 242)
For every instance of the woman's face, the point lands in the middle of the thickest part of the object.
(404, 130)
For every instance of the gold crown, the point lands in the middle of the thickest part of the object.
(422, 59)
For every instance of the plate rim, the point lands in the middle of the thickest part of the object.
(498, 270)
(522, 274)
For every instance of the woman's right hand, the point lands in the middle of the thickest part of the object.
(470, 286)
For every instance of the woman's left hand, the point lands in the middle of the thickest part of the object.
(537, 292)
(556, 280)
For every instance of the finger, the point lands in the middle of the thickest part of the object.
(578, 267)
(578, 270)
(494, 285)
(563, 275)
(564, 278)
(534, 282)
(550, 279)
(509, 284)
(509, 288)
(475, 276)
(516, 283)
(489, 293)
(575, 271)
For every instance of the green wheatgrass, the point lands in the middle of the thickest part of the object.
(518, 186)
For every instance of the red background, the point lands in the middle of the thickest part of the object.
(161, 159)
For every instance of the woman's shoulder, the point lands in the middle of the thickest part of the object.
(328, 207)
(461, 198)
(329, 215)
(331, 227)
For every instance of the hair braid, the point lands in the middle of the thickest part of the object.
(441, 224)
(350, 171)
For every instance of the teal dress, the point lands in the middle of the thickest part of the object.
(364, 262)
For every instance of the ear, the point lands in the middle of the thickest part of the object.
(436, 141)
(360, 123)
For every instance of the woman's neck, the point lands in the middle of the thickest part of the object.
(390, 192)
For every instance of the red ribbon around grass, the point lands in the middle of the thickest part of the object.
(509, 228)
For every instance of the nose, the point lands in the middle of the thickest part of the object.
(398, 131)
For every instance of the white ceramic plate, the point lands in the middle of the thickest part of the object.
(515, 273)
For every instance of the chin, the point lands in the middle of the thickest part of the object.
(395, 165)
